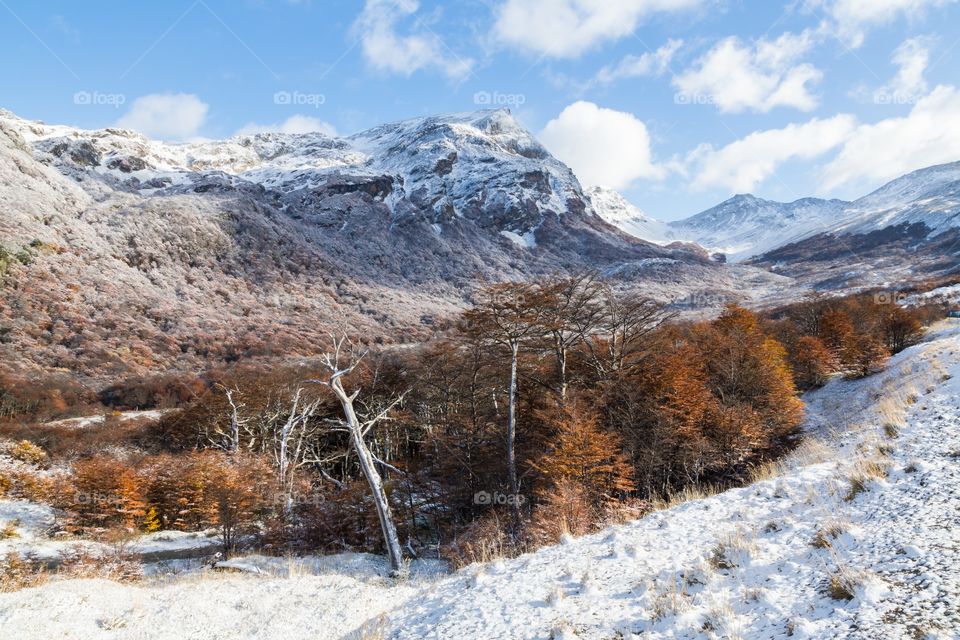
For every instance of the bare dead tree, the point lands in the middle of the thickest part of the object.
(292, 442)
(229, 440)
(341, 360)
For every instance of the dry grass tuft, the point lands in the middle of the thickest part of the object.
(731, 551)
(672, 600)
(688, 494)
(863, 472)
(371, 630)
(825, 536)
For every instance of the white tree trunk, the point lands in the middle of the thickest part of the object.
(512, 427)
(368, 466)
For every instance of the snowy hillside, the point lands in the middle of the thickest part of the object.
(285, 234)
(482, 166)
(621, 213)
(739, 228)
(929, 196)
(746, 226)
(854, 535)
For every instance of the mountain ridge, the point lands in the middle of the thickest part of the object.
(145, 256)
(746, 227)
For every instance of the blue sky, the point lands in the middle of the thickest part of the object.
(677, 103)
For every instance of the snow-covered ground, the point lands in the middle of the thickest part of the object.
(89, 421)
(756, 562)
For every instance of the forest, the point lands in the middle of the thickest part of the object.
(546, 409)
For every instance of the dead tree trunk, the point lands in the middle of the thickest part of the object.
(357, 430)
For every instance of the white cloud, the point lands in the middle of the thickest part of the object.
(928, 135)
(294, 124)
(736, 77)
(912, 58)
(387, 50)
(652, 63)
(602, 146)
(568, 28)
(168, 116)
(850, 19)
(741, 165)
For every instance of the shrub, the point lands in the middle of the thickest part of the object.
(103, 492)
(26, 452)
(115, 564)
(18, 573)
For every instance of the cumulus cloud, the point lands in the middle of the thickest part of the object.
(851, 19)
(737, 77)
(568, 28)
(741, 165)
(387, 50)
(928, 135)
(652, 63)
(294, 124)
(911, 58)
(168, 116)
(602, 146)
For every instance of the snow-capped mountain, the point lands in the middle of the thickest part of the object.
(482, 166)
(745, 226)
(738, 228)
(621, 213)
(929, 196)
(266, 240)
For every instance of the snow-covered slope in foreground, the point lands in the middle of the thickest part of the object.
(742, 564)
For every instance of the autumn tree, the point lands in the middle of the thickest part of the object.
(900, 329)
(811, 361)
(572, 310)
(750, 376)
(584, 453)
(240, 493)
(620, 339)
(508, 315)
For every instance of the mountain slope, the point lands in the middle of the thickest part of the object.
(908, 227)
(142, 256)
(618, 211)
(745, 225)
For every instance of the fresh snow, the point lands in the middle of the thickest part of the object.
(457, 164)
(618, 211)
(746, 226)
(900, 539)
(124, 416)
